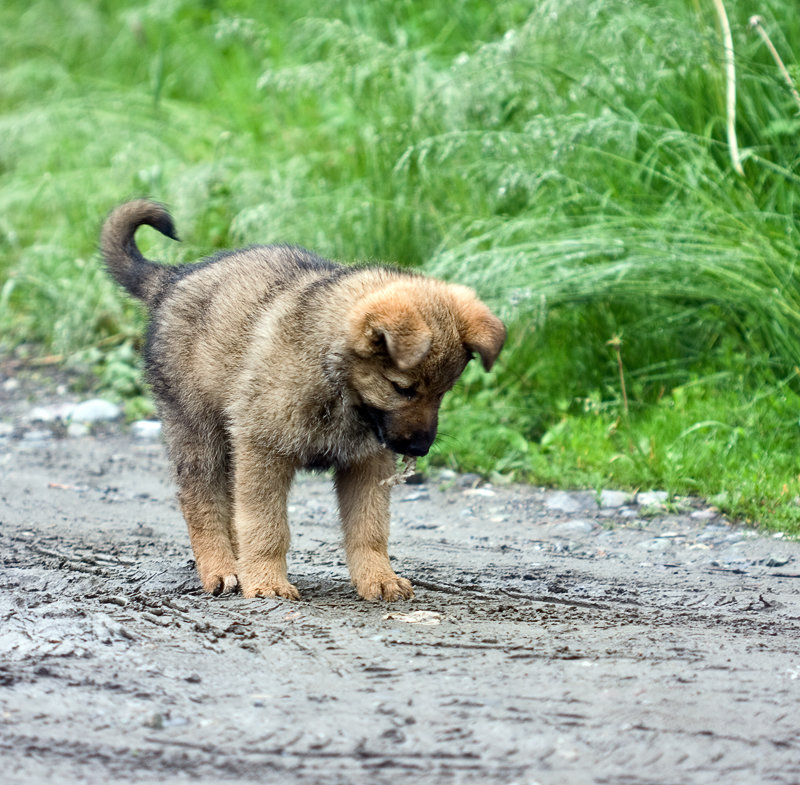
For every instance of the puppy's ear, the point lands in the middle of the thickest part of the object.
(481, 331)
(388, 320)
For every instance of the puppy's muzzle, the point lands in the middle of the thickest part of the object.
(415, 445)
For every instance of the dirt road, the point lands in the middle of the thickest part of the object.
(562, 643)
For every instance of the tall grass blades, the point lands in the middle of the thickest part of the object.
(570, 159)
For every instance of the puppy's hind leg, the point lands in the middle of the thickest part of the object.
(202, 467)
(364, 507)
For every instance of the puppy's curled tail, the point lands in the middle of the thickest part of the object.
(139, 276)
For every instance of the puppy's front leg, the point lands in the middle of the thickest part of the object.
(364, 507)
(261, 488)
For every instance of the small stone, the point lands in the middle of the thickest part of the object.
(415, 617)
(175, 722)
(416, 496)
(77, 430)
(10, 385)
(147, 430)
(49, 414)
(651, 498)
(777, 561)
(575, 501)
(572, 528)
(614, 498)
(107, 629)
(730, 537)
(155, 721)
(478, 492)
(657, 544)
(37, 435)
(95, 410)
(6, 430)
(447, 475)
(712, 532)
(469, 480)
(704, 515)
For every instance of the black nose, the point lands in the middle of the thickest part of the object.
(419, 443)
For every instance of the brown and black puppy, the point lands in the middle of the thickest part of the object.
(269, 359)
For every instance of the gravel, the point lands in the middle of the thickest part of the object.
(556, 636)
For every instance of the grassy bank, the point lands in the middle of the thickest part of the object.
(567, 159)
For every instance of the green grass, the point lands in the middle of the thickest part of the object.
(567, 159)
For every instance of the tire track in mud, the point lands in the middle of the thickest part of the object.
(162, 758)
(584, 647)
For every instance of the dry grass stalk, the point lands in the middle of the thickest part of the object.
(730, 78)
(757, 23)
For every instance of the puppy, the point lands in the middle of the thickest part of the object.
(269, 359)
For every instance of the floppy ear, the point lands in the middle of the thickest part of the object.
(480, 330)
(389, 318)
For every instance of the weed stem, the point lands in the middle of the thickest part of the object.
(730, 74)
(757, 23)
(616, 343)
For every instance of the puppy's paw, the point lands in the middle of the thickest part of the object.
(218, 577)
(270, 588)
(389, 587)
(220, 584)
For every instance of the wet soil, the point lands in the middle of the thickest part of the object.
(563, 642)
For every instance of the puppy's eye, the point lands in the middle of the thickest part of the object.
(406, 392)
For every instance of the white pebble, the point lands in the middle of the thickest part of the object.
(49, 414)
(575, 501)
(704, 515)
(146, 429)
(651, 498)
(95, 410)
(478, 492)
(614, 499)
(37, 436)
(77, 429)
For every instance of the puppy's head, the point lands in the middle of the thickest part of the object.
(410, 341)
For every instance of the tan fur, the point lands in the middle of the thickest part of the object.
(269, 359)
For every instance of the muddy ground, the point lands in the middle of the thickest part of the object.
(564, 643)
